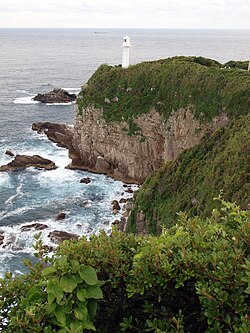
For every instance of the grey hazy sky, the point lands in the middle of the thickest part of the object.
(224, 14)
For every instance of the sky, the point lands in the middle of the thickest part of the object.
(198, 14)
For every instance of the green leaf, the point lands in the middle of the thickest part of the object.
(54, 288)
(68, 283)
(88, 274)
(51, 298)
(81, 313)
(92, 308)
(81, 295)
(48, 270)
(94, 292)
(60, 315)
(50, 307)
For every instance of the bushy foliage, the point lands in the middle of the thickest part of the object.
(219, 162)
(56, 298)
(168, 85)
(195, 277)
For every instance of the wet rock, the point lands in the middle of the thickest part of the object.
(129, 190)
(58, 236)
(1, 238)
(9, 240)
(115, 211)
(58, 95)
(125, 214)
(9, 153)
(36, 226)
(123, 200)
(61, 134)
(60, 217)
(115, 222)
(115, 205)
(25, 161)
(85, 180)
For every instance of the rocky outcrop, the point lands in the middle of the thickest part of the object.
(55, 96)
(58, 133)
(36, 226)
(107, 148)
(58, 236)
(25, 161)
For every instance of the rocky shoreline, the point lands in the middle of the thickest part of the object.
(61, 134)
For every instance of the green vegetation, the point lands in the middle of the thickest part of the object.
(194, 277)
(59, 298)
(219, 162)
(168, 85)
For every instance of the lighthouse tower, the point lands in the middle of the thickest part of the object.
(125, 56)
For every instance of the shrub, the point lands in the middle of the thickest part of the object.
(194, 277)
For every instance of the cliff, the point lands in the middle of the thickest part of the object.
(191, 182)
(128, 122)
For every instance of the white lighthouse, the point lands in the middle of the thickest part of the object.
(125, 55)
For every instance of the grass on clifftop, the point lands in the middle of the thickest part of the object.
(220, 162)
(168, 85)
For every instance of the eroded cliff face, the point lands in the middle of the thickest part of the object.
(108, 148)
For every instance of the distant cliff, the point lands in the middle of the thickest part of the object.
(130, 121)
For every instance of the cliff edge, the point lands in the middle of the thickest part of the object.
(128, 122)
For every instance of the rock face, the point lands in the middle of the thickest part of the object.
(25, 161)
(106, 148)
(55, 96)
(58, 133)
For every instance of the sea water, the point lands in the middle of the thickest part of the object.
(35, 61)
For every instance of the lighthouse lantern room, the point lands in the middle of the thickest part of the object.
(125, 56)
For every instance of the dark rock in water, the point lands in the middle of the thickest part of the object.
(116, 222)
(1, 238)
(116, 205)
(36, 226)
(25, 161)
(55, 96)
(129, 190)
(123, 200)
(58, 236)
(85, 180)
(9, 240)
(9, 153)
(58, 133)
(60, 216)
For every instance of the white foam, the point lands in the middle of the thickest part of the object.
(69, 103)
(25, 100)
(17, 211)
(5, 180)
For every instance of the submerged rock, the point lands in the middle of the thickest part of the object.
(25, 161)
(58, 236)
(55, 96)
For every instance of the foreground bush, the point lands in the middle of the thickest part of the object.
(195, 277)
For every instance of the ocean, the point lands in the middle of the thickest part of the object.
(38, 60)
